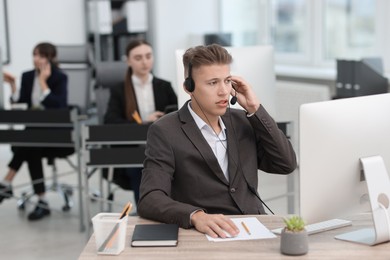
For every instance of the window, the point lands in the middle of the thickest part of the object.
(349, 29)
(245, 20)
(311, 33)
(288, 26)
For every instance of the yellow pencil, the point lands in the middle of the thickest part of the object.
(246, 228)
(136, 117)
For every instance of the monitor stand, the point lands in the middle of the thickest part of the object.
(378, 184)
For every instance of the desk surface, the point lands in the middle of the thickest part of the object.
(194, 245)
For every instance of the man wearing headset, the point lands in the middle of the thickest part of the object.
(201, 161)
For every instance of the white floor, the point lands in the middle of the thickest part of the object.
(58, 236)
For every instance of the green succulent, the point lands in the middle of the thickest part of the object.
(294, 224)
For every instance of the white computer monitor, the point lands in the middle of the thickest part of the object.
(333, 135)
(254, 63)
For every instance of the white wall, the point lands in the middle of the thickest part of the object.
(179, 24)
(30, 22)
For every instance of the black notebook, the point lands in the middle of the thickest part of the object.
(155, 235)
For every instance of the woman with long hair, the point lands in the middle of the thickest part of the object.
(141, 98)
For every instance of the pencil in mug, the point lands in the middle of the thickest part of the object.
(136, 117)
(112, 236)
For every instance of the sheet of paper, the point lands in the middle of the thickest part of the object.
(256, 228)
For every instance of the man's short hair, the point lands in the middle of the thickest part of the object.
(206, 55)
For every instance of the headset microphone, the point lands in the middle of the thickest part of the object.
(233, 100)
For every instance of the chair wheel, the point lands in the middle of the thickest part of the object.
(22, 206)
(94, 196)
(22, 201)
(66, 208)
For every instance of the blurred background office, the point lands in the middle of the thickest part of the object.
(308, 38)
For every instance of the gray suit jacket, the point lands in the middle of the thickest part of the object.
(181, 173)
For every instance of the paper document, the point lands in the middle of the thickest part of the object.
(250, 228)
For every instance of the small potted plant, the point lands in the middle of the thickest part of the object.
(294, 238)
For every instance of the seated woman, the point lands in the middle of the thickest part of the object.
(44, 87)
(141, 94)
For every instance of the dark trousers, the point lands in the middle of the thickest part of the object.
(33, 156)
(127, 179)
(134, 176)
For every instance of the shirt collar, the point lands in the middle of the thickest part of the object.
(201, 123)
(137, 81)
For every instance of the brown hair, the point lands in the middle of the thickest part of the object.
(48, 51)
(205, 55)
(130, 99)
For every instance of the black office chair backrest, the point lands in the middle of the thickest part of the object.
(102, 97)
(108, 74)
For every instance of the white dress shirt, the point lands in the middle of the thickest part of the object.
(216, 141)
(145, 96)
(38, 95)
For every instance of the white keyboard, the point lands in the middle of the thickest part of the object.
(321, 226)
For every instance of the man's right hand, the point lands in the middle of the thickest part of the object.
(214, 225)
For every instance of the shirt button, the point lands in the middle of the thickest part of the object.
(232, 190)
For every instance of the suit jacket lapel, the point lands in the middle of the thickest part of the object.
(232, 149)
(194, 134)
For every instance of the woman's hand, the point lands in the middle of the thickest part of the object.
(44, 74)
(155, 115)
(9, 78)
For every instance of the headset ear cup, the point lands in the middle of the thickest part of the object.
(189, 84)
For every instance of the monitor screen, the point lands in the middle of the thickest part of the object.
(333, 136)
(254, 63)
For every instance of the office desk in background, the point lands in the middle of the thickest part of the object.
(34, 128)
(194, 245)
(110, 146)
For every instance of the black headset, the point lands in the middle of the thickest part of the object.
(189, 82)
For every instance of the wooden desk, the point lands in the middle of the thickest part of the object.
(194, 245)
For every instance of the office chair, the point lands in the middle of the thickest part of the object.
(76, 62)
(63, 189)
(108, 74)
